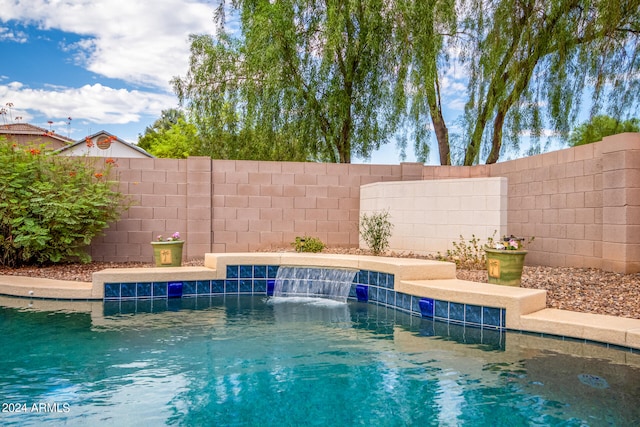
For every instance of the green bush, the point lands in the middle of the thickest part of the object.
(51, 207)
(308, 244)
(468, 254)
(375, 230)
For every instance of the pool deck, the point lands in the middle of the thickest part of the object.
(526, 308)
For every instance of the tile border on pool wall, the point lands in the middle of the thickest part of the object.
(370, 286)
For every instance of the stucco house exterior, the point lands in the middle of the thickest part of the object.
(103, 144)
(100, 144)
(30, 135)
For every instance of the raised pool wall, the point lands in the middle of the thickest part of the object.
(422, 288)
(582, 204)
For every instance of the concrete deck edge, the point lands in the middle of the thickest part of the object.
(28, 287)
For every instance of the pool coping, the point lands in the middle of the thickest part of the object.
(526, 309)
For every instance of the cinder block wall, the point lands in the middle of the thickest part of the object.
(582, 204)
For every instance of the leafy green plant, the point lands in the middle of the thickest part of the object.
(51, 207)
(308, 244)
(375, 230)
(468, 254)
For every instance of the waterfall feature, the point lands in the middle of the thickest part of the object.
(314, 282)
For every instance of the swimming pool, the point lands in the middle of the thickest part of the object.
(249, 360)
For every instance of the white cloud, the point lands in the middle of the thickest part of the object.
(95, 103)
(7, 34)
(143, 43)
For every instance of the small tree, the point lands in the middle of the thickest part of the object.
(375, 230)
(51, 207)
(600, 126)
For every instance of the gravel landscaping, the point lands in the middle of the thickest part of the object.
(575, 289)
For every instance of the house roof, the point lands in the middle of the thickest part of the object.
(103, 133)
(28, 129)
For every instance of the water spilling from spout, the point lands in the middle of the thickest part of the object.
(314, 282)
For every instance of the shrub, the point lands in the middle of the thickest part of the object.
(468, 254)
(308, 244)
(51, 207)
(375, 230)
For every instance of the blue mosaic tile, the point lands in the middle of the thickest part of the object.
(374, 278)
(390, 280)
(159, 289)
(441, 309)
(246, 286)
(190, 287)
(373, 294)
(403, 301)
(272, 271)
(271, 284)
(259, 286)
(127, 290)
(415, 304)
(456, 311)
(231, 286)
(217, 286)
(491, 317)
(144, 290)
(473, 314)
(204, 287)
(233, 271)
(391, 297)
(363, 277)
(246, 272)
(259, 271)
(112, 290)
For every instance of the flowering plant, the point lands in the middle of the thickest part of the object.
(511, 243)
(174, 238)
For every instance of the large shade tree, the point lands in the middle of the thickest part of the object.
(532, 60)
(303, 79)
(328, 79)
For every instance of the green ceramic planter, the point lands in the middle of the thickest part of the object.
(168, 254)
(505, 267)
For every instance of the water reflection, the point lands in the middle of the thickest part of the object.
(248, 360)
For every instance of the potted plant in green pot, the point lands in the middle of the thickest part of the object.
(505, 261)
(168, 252)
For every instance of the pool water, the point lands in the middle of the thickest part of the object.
(272, 362)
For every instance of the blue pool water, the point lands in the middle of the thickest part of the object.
(246, 361)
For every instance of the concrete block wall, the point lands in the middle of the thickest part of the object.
(429, 215)
(582, 204)
(261, 205)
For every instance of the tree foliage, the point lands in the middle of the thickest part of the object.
(51, 207)
(600, 126)
(304, 79)
(528, 58)
(171, 136)
(328, 79)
